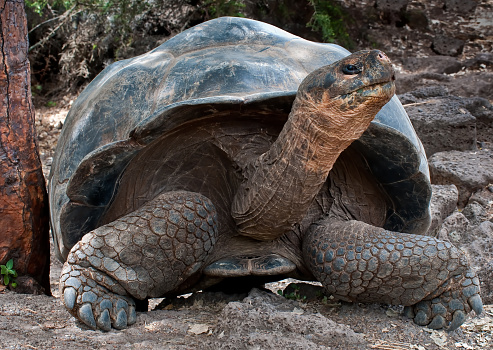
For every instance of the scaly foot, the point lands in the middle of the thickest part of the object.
(358, 262)
(95, 298)
(448, 310)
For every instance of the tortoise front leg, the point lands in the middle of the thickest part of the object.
(143, 254)
(358, 262)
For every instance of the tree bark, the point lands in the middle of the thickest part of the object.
(24, 230)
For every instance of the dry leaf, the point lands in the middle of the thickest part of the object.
(440, 339)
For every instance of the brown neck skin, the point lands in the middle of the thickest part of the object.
(290, 174)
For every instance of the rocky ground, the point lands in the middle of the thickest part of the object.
(445, 82)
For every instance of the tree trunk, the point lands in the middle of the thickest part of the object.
(24, 235)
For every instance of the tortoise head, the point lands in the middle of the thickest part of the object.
(355, 87)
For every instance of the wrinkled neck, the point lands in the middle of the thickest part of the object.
(315, 134)
(290, 174)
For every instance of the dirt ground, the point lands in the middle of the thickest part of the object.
(261, 320)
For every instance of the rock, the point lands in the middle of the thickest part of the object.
(460, 6)
(481, 238)
(433, 64)
(268, 321)
(391, 5)
(448, 46)
(480, 252)
(28, 285)
(485, 275)
(416, 19)
(443, 124)
(477, 242)
(482, 110)
(469, 171)
(417, 96)
(475, 213)
(482, 58)
(443, 203)
(485, 198)
(454, 229)
(463, 84)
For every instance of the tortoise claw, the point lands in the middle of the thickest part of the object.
(476, 304)
(86, 315)
(421, 318)
(69, 296)
(104, 321)
(438, 322)
(121, 320)
(458, 319)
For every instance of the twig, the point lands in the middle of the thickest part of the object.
(65, 16)
(385, 345)
(418, 103)
(43, 23)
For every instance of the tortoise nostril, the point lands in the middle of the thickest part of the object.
(383, 56)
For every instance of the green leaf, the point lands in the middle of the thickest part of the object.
(4, 271)
(6, 280)
(10, 264)
(14, 273)
(14, 284)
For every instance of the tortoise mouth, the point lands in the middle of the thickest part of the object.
(383, 89)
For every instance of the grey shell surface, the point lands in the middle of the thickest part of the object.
(226, 63)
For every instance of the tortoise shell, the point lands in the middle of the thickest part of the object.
(219, 68)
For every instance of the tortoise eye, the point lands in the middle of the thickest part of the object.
(351, 69)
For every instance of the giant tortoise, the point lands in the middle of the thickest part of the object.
(238, 153)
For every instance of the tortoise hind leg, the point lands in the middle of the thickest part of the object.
(359, 262)
(143, 254)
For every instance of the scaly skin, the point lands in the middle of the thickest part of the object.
(358, 262)
(143, 254)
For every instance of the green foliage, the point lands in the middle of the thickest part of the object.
(50, 104)
(219, 8)
(36, 89)
(294, 295)
(119, 13)
(8, 273)
(37, 6)
(329, 18)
